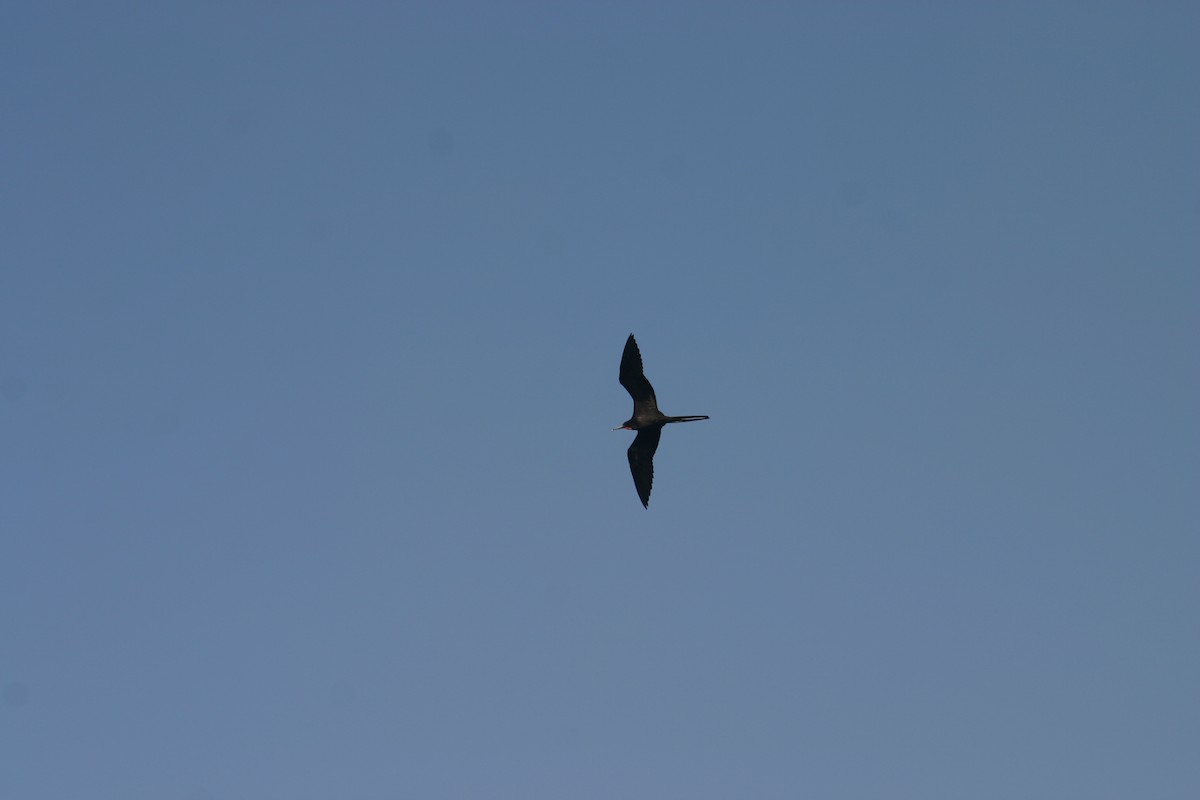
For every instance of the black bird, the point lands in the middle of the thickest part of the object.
(647, 420)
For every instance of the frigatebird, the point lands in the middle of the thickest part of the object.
(647, 420)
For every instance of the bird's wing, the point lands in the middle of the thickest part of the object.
(633, 379)
(641, 461)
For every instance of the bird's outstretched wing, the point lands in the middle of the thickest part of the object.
(641, 461)
(634, 380)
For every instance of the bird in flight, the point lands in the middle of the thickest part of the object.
(647, 420)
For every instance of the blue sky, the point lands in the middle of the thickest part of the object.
(309, 331)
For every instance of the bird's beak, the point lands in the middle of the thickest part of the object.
(623, 428)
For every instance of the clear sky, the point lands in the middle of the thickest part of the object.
(310, 320)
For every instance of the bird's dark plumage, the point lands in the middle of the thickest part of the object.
(634, 379)
(647, 420)
(641, 461)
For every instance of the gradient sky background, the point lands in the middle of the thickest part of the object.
(310, 319)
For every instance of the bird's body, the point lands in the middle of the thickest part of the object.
(647, 420)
